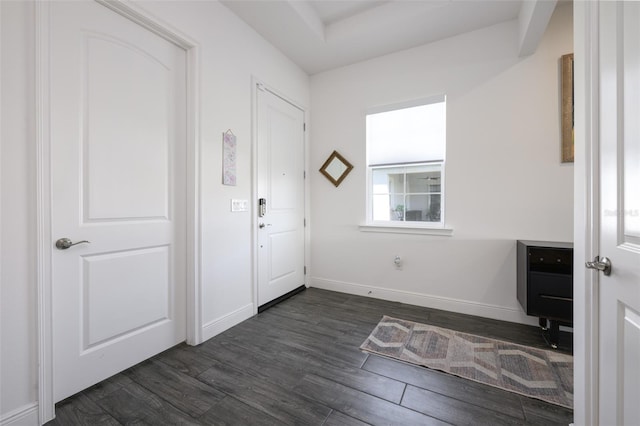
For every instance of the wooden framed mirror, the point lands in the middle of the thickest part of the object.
(336, 168)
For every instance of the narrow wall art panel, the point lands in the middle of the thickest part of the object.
(229, 148)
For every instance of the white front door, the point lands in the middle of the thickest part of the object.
(619, 292)
(280, 153)
(118, 182)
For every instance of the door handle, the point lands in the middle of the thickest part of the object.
(603, 265)
(65, 243)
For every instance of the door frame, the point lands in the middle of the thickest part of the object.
(44, 237)
(586, 212)
(256, 84)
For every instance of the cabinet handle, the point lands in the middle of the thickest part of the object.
(564, 299)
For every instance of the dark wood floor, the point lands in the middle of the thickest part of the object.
(299, 363)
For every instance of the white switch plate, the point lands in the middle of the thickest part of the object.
(239, 205)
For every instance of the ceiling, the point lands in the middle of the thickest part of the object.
(319, 35)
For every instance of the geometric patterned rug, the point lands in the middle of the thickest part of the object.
(531, 372)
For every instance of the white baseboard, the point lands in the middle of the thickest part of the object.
(221, 324)
(26, 415)
(426, 300)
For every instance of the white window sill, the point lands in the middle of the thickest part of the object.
(405, 228)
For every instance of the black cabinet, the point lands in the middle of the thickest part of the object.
(545, 283)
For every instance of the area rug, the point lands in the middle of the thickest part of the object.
(536, 373)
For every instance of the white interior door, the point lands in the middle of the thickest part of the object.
(280, 153)
(619, 293)
(118, 181)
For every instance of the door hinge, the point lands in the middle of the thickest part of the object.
(305, 270)
(304, 127)
(304, 222)
(304, 174)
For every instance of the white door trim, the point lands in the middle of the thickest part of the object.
(44, 246)
(255, 83)
(586, 212)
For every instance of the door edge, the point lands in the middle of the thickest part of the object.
(586, 213)
(44, 326)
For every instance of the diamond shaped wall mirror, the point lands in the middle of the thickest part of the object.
(336, 168)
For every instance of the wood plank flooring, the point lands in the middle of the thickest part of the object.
(299, 363)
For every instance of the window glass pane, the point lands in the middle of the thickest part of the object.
(396, 183)
(425, 208)
(423, 179)
(388, 207)
(381, 207)
(397, 207)
(435, 209)
(387, 180)
(417, 205)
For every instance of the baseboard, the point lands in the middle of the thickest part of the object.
(26, 415)
(221, 324)
(426, 300)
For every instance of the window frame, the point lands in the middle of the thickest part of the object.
(404, 226)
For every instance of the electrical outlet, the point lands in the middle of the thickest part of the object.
(239, 205)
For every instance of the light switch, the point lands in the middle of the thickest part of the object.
(239, 205)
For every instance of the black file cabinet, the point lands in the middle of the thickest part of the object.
(545, 283)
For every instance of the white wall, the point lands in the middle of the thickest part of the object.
(17, 219)
(504, 179)
(231, 54)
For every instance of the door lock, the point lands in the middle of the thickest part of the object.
(262, 207)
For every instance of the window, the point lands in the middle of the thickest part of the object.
(405, 157)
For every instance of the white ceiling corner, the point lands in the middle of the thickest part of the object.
(533, 20)
(309, 14)
(319, 35)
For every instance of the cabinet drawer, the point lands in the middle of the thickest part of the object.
(552, 284)
(550, 296)
(551, 260)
